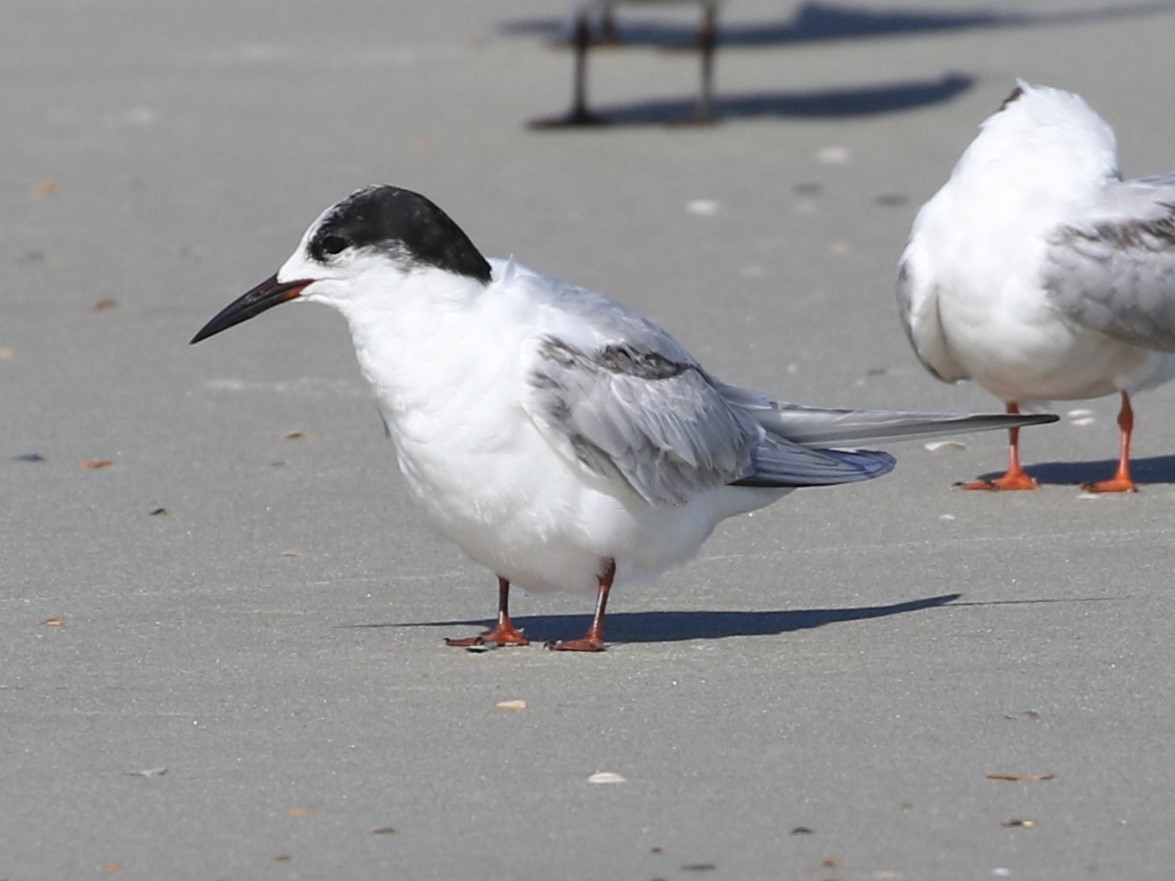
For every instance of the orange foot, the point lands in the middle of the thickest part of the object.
(584, 644)
(509, 635)
(1113, 485)
(1010, 481)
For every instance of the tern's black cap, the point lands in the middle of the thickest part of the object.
(393, 218)
(1012, 98)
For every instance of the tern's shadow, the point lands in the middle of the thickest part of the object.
(1151, 470)
(678, 626)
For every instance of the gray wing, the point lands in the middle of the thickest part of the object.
(649, 417)
(1113, 270)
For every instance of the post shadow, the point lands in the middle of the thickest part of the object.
(865, 100)
(816, 22)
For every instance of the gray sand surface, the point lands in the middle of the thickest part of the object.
(246, 598)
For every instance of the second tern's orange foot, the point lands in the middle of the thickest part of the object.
(1121, 481)
(1002, 484)
(1113, 485)
(1014, 478)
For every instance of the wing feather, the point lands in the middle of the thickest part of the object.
(654, 423)
(1113, 270)
(664, 429)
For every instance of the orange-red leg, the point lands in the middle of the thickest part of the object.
(1121, 482)
(1015, 477)
(504, 633)
(593, 641)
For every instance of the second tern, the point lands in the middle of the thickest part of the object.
(1041, 274)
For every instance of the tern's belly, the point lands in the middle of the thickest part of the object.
(1021, 349)
(1056, 367)
(523, 511)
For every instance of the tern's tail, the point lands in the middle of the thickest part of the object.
(814, 426)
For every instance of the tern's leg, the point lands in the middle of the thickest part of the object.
(1015, 478)
(593, 641)
(505, 633)
(1121, 482)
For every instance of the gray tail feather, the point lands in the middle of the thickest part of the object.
(812, 426)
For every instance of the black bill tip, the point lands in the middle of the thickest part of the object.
(266, 295)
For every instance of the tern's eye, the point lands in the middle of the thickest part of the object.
(333, 244)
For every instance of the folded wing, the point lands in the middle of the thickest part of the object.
(1113, 270)
(663, 427)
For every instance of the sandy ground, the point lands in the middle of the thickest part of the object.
(220, 655)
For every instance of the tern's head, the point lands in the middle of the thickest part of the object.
(361, 246)
(1044, 135)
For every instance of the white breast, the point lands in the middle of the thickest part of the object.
(450, 386)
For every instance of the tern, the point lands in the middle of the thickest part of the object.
(559, 438)
(1041, 274)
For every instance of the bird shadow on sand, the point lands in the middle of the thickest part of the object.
(678, 626)
(1151, 470)
(815, 22)
(865, 100)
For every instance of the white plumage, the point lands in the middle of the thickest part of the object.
(560, 438)
(1041, 274)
